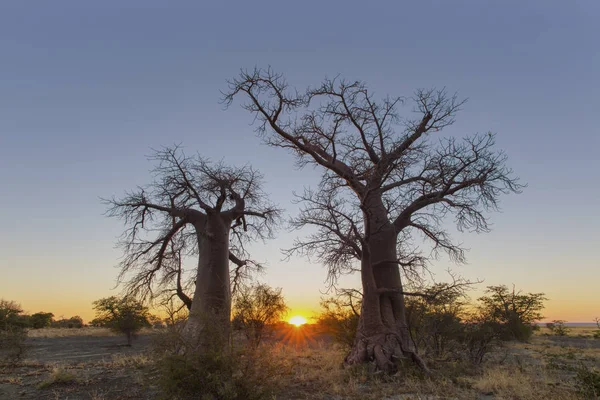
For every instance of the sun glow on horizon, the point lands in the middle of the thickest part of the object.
(297, 320)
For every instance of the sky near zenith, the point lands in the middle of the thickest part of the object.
(88, 88)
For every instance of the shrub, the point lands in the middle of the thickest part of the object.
(58, 376)
(125, 315)
(514, 312)
(255, 308)
(215, 374)
(339, 317)
(435, 318)
(40, 320)
(212, 376)
(479, 337)
(558, 328)
(587, 381)
(12, 343)
(75, 322)
(12, 331)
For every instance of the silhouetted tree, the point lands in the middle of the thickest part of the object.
(41, 320)
(193, 208)
(339, 316)
(435, 319)
(257, 307)
(13, 331)
(384, 181)
(558, 327)
(72, 322)
(515, 312)
(123, 315)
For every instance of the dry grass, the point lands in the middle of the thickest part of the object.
(583, 331)
(317, 373)
(68, 332)
(86, 331)
(12, 380)
(513, 383)
(517, 371)
(119, 361)
(97, 395)
(58, 376)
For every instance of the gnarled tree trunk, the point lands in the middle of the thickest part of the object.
(208, 324)
(382, 335)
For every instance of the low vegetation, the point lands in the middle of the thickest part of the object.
(58, 376)
(472, 349)
(13, 326)
(75, 322)
(557, 327)
(123, 315)
(546, 367)
(256, 309)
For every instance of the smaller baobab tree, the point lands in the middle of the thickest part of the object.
(193, 208)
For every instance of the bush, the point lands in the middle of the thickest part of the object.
(213, 376)
(479, 337)
(124, 315)
(216, 374)
(514, 313)
(40, 320)
(255, 308)
(75, 322)
(339, 317)
(58, 376)
(435, 319)
(558, 328)
(587, 381)
(12, 331)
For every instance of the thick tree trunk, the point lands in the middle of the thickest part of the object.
(382, 335)
(208, 324)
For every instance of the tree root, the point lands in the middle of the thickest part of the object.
(383, 350)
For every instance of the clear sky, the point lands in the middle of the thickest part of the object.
(87, 88)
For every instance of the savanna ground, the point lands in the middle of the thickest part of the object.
(92, 363)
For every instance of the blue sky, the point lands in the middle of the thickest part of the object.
(86, 90)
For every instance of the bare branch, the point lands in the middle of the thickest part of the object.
(165, 219)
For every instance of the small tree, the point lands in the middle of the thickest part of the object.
(125, 315)
(257, 307)
(339, 316)
(558, 328)
(40, 320)
(12, 329)
(435, 318)
(514, 312)
(70, 323)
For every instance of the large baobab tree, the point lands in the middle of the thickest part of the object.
(198, 209)
(386, 179)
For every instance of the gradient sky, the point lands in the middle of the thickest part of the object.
(86, 89)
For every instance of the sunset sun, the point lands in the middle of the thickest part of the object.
(297, 320)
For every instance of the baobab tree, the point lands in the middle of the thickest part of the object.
(386, 179)
(192, 208)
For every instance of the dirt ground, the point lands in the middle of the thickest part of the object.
(97, 365)
(79, 367)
